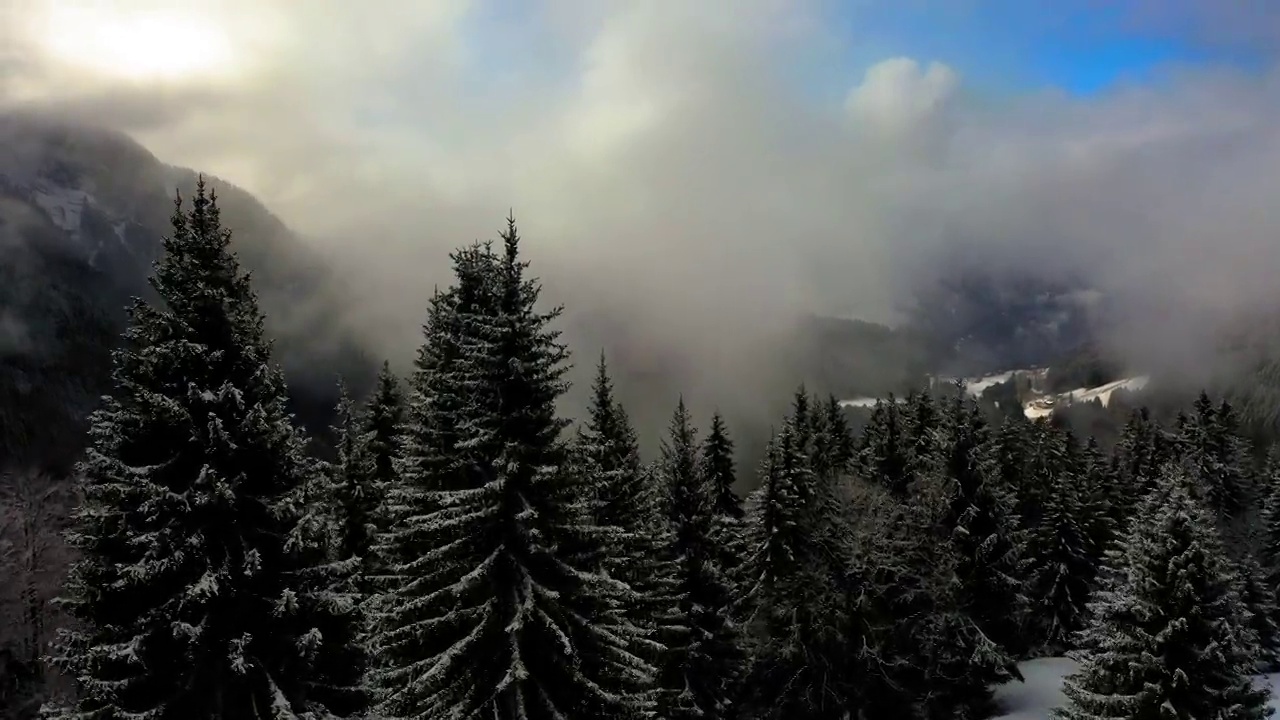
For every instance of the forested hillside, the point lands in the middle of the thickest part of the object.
(82, 211)
(465, 553)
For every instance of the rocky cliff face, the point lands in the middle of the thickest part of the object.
(82, 214)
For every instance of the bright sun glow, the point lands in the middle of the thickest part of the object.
(139, 46)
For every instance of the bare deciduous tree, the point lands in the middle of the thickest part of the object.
(34, 507)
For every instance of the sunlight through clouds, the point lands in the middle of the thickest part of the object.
(669, 129)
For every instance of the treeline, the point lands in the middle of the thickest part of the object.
(467, 556)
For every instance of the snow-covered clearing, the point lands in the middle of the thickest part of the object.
(1043, 407)
(862, 402)
(974, 386)
(1103, 392)
(1038, 407)
(1042, 691)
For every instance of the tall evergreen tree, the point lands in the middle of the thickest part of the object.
(840, 436)
(1100, 522)
(728, 518)
(1012, 454)
(1141, 452)
(1259, 598)
(354, 500)
(718, 464)
(796, 564)
(383, 419)
(832, 451)
(703, 662)
(494, 609)
(935, 659)
(884, 451)
(983, 529)
(1269, 487)
(628, 501)
(194, 596)
(381, 426)
(1062, 563)
(1266, 557)
(926, 428)
(681, 462)
(1169, 636)
(622, 499)
(1215, 453)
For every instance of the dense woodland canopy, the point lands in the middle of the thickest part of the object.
(466, 552)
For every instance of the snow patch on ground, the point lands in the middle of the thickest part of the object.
(1038, 407)
(1042, 691)
(1043, 407)
(64, 206)
(862, 402)
(1103, 392)
(975, 386)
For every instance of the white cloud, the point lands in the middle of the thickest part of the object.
(665, 159)
(897, 94)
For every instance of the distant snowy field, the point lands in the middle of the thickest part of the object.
(1042, 691)
(1039, 407)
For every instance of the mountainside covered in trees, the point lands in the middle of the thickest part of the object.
(82, 211)
(462, 555)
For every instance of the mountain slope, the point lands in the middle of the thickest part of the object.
(82, 212)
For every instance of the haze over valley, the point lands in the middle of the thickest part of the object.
(694, 184)
(901, 347)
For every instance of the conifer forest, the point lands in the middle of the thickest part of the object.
(466, 552)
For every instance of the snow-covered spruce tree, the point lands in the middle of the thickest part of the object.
(926, 428)
(704, 661)
(802, 421)
(1259, 597)
(1169, 635)
(381, 426)
(383, 416)
(1062, 566)
(627, 502)
(984, 530)
(719, 468)
(926, 658)
(1046, 464)
(1269, 489)
(884, 450)
(1097, 483)
(1266, 557)
(492, 609)
(354, 502)
(838, 441)
(192, 597)
(1012, 443)
(728, 515)
(1215, 455)
(1143, 449)
(329, 581)
(794, 599)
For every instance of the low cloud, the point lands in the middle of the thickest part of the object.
(692, 172)
(14, 337)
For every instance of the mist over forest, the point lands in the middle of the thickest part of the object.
(961, 307)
